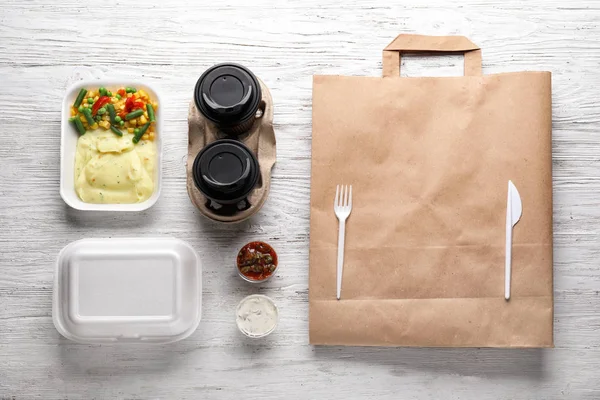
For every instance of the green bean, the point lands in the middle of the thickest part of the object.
(139, 135)
(101, 111)
(150, 110)
(72, 119)
(79, 126)
(116, 131)
(80, 97)
(112, 113)
(134, 114)
(88, 116)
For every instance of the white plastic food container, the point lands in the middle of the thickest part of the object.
(127, 290)
(68, 147)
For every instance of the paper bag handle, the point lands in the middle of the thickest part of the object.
(431, 44)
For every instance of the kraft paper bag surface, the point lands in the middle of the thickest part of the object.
(429, 160)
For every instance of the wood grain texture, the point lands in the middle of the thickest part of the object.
(45, 46)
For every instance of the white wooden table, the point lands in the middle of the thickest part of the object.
(47, 45)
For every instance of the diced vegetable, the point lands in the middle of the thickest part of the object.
(150, 110)
(129, 104)
(88, 116)
(121, 123)
(101, 111)
(112, 113)
(80, 97)
(90, 100)
(116, 131)
(118, 119)
(102, 91)
(79, 126)
(104, 124)
(134, 114)
(140, 133)
(102, 101)
(118, 96)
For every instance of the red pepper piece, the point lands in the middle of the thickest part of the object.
(138, 104)
(121, 92)
(102, 101)
(129, 104)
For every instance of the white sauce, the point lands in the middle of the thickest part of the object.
(256, 315)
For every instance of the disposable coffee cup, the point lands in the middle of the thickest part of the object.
(228, 95)
(226, 171)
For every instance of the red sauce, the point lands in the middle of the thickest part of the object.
(257, 261)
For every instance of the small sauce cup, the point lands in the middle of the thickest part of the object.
(256, 316)
(256, 262)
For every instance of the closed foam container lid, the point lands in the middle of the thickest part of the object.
(127, 290)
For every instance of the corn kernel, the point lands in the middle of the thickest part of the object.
(95, 126)
(151, 135)
(146, 114)
(145, 136)
(90, 93)
(155, 105)
(132, 122)
(122, 107)
(104, 124)
(129, 94)
(82, 118)
(130, 130)
(114, 100)
(136, 95)
(73, 112)
(96, 98)
(142, 120)
(105, 118)
(86, 105)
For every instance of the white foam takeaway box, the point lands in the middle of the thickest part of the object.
(127, 290)
(68, 147)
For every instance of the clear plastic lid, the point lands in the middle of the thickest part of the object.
(129, 290)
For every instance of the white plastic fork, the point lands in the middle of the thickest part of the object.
(342, 207)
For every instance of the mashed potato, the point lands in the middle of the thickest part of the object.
(111, 169)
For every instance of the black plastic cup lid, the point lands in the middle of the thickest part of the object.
(228, 94)
(226, 171)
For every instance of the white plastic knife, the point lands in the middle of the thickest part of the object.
(514, 209)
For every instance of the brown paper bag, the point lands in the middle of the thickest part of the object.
(429, 160)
